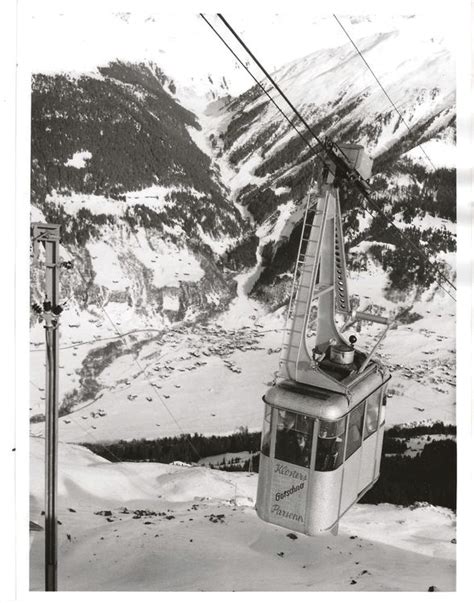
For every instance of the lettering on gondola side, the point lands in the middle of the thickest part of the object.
(288, 493)
(277, 510)
(292, 490)
(285, 470)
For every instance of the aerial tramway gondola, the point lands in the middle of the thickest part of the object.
(324, 419)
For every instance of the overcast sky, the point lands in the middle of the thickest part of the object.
(79, 39)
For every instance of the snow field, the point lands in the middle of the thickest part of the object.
(198, 531)
(79, 160)
(209, 399)
(153, 197)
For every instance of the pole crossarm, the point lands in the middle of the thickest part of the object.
(41, 233)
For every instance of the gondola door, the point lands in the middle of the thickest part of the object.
(327, 474)
(290, 480)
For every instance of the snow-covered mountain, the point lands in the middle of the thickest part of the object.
(338, 96)
(170, 214)
(143, 213)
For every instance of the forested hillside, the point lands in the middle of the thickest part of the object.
(113, 162)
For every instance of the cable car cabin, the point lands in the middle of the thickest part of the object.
(320, 453)
(324, 420)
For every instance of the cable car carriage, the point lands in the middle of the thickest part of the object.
(324, 419)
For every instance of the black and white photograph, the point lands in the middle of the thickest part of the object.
(243, 267)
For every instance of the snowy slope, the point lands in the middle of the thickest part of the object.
(140, 35)
(197, 530)
(417, 86)
(145, 221)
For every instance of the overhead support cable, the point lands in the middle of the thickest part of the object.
(335, 154)
(383, 89)
(270, 79)
(261, 86)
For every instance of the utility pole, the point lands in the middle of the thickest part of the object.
(48, 235)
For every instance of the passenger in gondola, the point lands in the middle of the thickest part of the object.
(304, 445)
(330, 446)
(327, 453)
(292, 446)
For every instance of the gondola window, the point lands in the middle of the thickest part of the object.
(372, 414)
(354, 430)
(383, 408)
(294, 438)
(330, 450)
(267, 430)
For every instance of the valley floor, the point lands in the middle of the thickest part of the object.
(210, 380)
